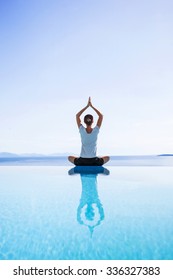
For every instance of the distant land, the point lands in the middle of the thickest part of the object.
(166, 155)
(35, 155)
(60, 159)
(12, 155)
(4, 154)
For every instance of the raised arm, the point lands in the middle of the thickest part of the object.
(100, 119)
(78, 120)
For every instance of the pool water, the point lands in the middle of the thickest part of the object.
(50, 212)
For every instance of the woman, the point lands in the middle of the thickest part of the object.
(89, 139)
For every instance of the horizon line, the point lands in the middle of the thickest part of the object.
(8, 154)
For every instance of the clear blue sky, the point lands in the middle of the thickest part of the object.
(55, 54)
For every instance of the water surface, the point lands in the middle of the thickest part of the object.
(48, 214)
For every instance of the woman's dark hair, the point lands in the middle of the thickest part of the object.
(88, 119)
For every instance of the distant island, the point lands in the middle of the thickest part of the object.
(12, 155)
(55, 155)
(166, 155)
(60, 159)
(4, 154)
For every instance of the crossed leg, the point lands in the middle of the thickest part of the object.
(72, 158)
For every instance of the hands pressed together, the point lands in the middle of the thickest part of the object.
(89, 103)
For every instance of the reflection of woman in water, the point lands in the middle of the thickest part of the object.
(89, 139)
(90, 210)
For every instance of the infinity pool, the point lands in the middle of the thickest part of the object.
(49, 213)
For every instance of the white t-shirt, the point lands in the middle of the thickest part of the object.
(89, 142)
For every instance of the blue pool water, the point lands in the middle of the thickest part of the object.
(47, 212)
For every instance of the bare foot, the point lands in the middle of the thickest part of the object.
(71, 159)
(106, 159)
